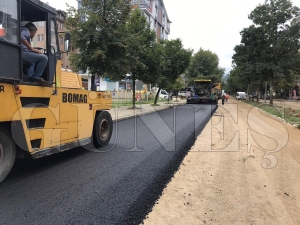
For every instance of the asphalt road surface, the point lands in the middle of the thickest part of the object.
(117, 185)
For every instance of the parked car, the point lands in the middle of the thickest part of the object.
(163, 94)
(240, 95)
(182, 93)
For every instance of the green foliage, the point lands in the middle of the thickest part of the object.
(98, 30)
(205, 64)
(114, 40)
(176, 61)
(144, 55)
(269, 48)
(179, 84)
(235, 82)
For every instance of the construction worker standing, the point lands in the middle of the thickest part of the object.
(223, 99)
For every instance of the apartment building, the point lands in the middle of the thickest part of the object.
(39, 39)
(156, 14)
(60, 18)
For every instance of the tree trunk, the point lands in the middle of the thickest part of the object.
(133, 90)
(284, 96)
(156, 96)
(271, 93)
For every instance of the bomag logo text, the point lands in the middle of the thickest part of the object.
(74, 98)
(1, 88)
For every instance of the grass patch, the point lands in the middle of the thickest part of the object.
(288, 114)
(271, 109)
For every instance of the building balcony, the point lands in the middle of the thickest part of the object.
(61, 18)
(142, 4)
(168, 28)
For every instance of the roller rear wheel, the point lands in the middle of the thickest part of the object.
(7, 153)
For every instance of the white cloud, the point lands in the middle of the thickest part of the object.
(61, 4)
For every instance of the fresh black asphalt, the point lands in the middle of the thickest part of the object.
(118, 184)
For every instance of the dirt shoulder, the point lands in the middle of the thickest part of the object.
(243, 169)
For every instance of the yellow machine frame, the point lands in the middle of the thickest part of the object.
(38, 120)
(51, 123)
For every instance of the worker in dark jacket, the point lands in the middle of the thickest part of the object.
(223, 99)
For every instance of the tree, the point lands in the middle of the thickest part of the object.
(176, 60)
(179, 84)
(98, 30)
(144, 55)
(269, 48)
(205, 64)
(234, 81)
(290, 81)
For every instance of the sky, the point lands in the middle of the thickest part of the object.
(213, 25)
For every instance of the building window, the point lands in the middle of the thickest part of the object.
(60, 26)
(40, 37)
(67, 67)
(61, 40)
(40, 23)
(155, 24)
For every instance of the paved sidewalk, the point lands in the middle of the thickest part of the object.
(124, 112)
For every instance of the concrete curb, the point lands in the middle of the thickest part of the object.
(145, 113)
